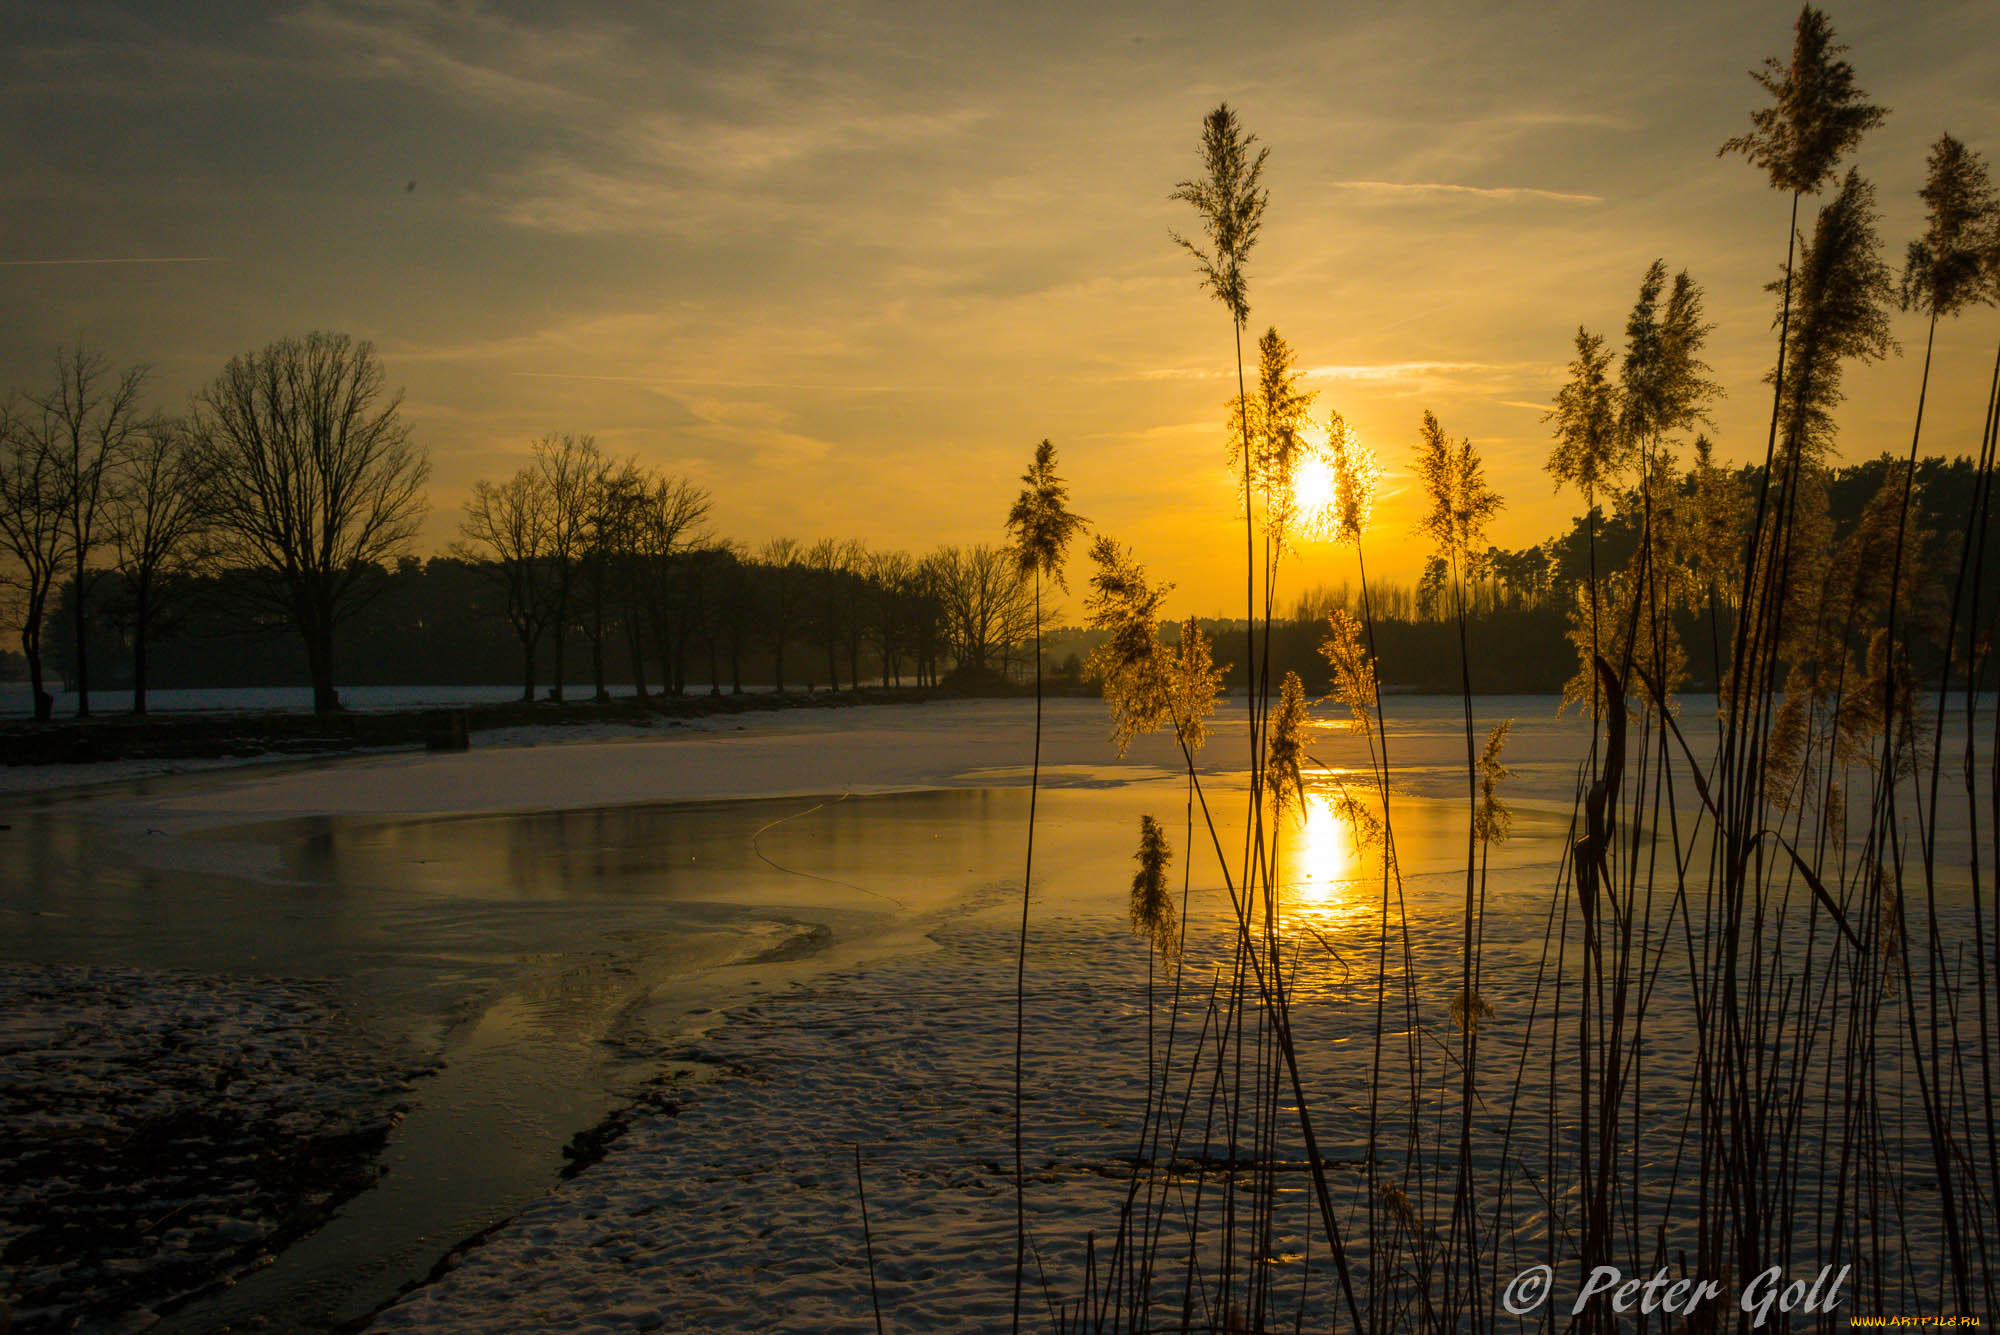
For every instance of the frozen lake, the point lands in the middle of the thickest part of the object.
(561, 924)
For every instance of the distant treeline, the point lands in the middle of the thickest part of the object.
(716, 621)
(1554, 573)
(262, 538)
(708, 616)
(265, 535)
(1521, 603)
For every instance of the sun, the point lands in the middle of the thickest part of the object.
(1313, 494)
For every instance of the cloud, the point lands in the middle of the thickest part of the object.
(1180, 373)
(654, 382)
(1394, 372)
(1493, 381)
(133, 259)
(1445, 190)
(463, 52)
(641, 131)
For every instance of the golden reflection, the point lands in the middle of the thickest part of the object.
(1327, 881)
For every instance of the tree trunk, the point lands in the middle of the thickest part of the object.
(141, 613)
(778, 667)
(81, 621)
(318, 632)
(597, 652)
(635, 648)
(528, 668)
(556, 688)
(832, 666)
(714, 676)
(31, 649)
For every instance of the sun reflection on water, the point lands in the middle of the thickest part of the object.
(1327, 882)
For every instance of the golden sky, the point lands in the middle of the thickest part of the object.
(845, 265)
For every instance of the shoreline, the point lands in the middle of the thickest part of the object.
(529, 880)
(187, 841)
(250, 734)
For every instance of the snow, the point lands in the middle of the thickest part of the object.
(164, 1130)
(730, 1203)
(16, 702)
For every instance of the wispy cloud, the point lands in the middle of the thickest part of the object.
(463, 52)
(1490, 380)
(123, 259)
(1179, 373)
(1387, 375)
(1448, 190)
(840, 387)
(1392, 372)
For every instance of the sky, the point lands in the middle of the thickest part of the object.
(844, 266)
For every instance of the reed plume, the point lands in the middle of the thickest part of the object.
(1153, 914)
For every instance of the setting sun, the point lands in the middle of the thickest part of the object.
(1317, 500)
(859, 636)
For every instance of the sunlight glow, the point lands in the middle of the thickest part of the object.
(1321, 868)
(1317, 501)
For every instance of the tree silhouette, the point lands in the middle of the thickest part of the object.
(157, 516)
(570, 469)
(88, 421)
(781, 577)
(316, 483)
(511, 521)
(32, 534)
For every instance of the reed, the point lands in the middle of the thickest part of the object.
(1771, 889)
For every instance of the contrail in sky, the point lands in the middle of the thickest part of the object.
(139, 259)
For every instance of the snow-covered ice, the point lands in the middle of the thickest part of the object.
(729, 1202)
(160, 1131)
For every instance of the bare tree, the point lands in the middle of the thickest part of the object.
(616, 494)
(924, 603)
(851, 595)
(890, 575)
(668, 529)
(988, 605)
(507, 530)
(730, 591)
(316, 482)
(33, 538)
(781, 560)
(88, 422)
(156, 518)
(571, 468)
(714, 595)
(826, 560)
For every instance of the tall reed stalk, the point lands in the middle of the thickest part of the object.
(1744, 1043)
(1042, 528)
